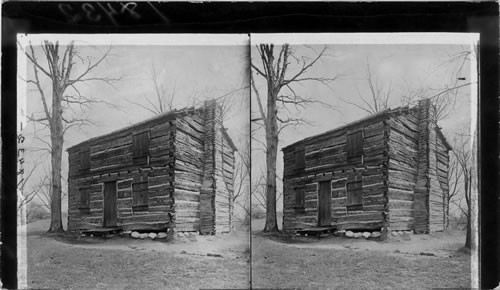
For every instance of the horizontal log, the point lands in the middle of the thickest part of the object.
(398, 194)
(364, 217)
(146, 227)
(376, 225)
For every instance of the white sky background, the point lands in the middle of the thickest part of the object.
(405, 65)
(186, 64)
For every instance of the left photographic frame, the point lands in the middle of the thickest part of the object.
(135, 155)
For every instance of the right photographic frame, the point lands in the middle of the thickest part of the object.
(364, 160)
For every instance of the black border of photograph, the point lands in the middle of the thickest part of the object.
(158, 17)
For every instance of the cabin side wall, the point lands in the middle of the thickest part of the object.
(217, 182)
(326, 160)
(442, 168)
(224, 164)
(403, 157)
(111, 160)
(189, 158)
(438, 186)
(431, 186)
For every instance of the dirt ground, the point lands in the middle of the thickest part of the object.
(425, 261)
(222, 262)
(56, 262)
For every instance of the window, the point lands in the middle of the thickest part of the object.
(141, 147)
(355, 144)
(355, 195)
(300, 198)
(140, 196)
(85, 160)
(84, 198)
(300, 157)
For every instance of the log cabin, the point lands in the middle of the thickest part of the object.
(173, 172)
(386, 172)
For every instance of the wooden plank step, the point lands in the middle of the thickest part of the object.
(102, 231)
(316, 230)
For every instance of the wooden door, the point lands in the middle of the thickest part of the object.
(109, 219)
(324, 206)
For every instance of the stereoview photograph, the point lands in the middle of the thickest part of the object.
(263, 161)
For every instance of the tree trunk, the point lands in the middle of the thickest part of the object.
(56, 158)
(468, 234)
(271, 155)
(468, 196)
(447, 214)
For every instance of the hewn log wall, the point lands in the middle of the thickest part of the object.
(442, 160)
(224, 185)
(403, 157)
(111, 160)
(326, 159)
(217, 185)
(438, 183)
(189, 153)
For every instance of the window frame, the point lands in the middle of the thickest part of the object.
(349, 141)
(140, 204)
(300, 198)
(350, 206)
(300, 158)
(141, 156)
(84, 203)
(85, 159)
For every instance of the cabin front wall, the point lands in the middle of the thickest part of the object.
(403, 168)
(111, 160)
(327, 160)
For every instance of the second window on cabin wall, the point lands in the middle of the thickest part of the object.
(355, 144)
(84, 198)
(85, 160)
(300, 198)
(300, 158)
(140, 196)
(354, 195)
(140, 143)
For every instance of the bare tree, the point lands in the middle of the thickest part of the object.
(163, 101)
(65, 69)
(27, 195)
(454, 179)
(463, 154)
(379, 94)
(277, 70)
(443, 98)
